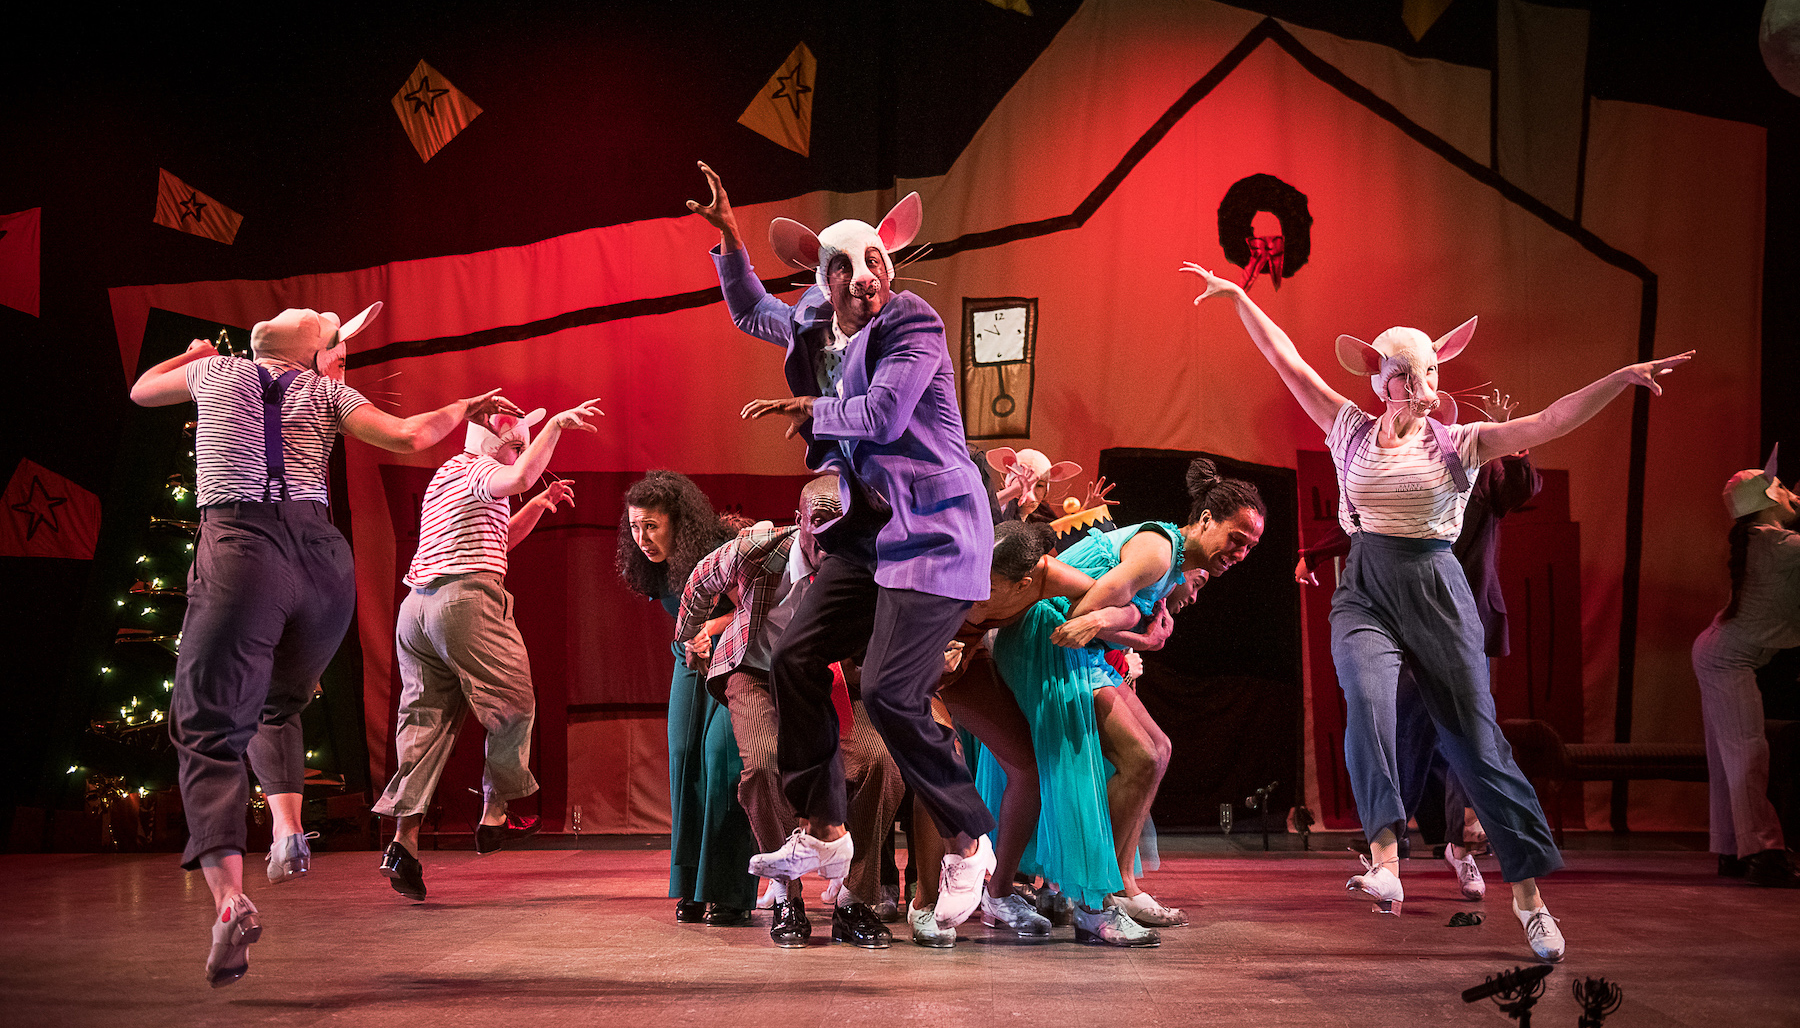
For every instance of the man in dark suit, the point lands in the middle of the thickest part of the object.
(874, 397)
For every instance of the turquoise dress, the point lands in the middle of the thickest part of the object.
(1073, 846)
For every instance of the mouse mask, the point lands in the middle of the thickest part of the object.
(1406, 354)
(797, 245)
(1022, 471)
(480, 440)
(1751, 491)
(310, 338)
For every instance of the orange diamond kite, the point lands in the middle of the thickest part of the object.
(432, 111)
(782, 110)
(181, 207)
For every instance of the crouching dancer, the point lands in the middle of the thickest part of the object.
(271, 590)
(456, 643)
(767, 571)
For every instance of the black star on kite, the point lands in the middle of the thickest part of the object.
(791, 89)
(41, 506)
(192, 206)
(424, 98)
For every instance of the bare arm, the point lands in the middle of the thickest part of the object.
(166, 383)
(1156, 632)
(1143, 561)
(526, 517)
(512, 481)
(377, 427)
(1568, 413)
(1320, 401)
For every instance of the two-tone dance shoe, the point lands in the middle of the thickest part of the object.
(792, 928)
(926, 931)
(1011, 913)
(1112, 927)
(1379, 884)
(1144, 909)
(857, 925)
(1468, 876)
(290, 857)
(489, 838)
(962, 883)
(724, 915)
(1541, 931)
(236, 927)
(802, 854)
(689, 911)
(404, 872)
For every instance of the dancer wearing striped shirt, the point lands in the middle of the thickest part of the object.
(272, 587)
(456, 643)
(1405, 479)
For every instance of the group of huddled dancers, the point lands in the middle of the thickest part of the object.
(894, 640)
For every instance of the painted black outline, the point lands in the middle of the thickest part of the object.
(1268, 30)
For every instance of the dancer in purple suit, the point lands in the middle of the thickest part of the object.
(874, 397)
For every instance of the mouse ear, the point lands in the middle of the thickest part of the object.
(1063, 470)
(533, 418)
(360, 322)
(1452, 342)
(1358, 357)
(901, 226)
(1001, 457)
(794, 243)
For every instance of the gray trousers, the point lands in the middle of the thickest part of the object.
(458, 651)
(1410, 597)
(1743, 821)
(269, 596)
(873, 784)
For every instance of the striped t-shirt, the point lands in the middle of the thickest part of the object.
(462, 526)
(231, 466)
(1405, 491)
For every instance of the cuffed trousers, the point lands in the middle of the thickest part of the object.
(269, 596)
(1409, 596)
(459, 651)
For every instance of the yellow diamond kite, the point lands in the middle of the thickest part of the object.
(782, 110)
(431, 110)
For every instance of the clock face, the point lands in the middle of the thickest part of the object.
(999, 335)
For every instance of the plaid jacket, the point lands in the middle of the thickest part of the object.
(753, 564)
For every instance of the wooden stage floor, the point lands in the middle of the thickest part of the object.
(549, 936)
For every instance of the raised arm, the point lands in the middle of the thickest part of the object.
(377, 427)
(511, 481)
(526, 517)
(166, 383)
(1570, 412)
(1320, 401)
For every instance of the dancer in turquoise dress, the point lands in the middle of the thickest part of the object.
(1100, 756)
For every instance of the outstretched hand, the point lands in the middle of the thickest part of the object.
(1647, 373)
(559, 490)
(572, 418)
(481, 409)
(798, 410)
(1096, 494)
(718, 211)
(1304, 573)
(1214, 284)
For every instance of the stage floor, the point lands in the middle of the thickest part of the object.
(516, 938)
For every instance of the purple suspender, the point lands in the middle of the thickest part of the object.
(1440, 437)
(272, 390)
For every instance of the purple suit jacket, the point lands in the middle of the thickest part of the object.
(897, 430)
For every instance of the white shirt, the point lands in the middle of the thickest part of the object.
(230, 464)
(1405, 490)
